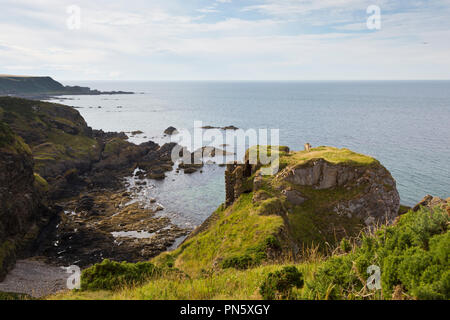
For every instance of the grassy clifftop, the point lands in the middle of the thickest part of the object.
(237, 237)
(54, 132)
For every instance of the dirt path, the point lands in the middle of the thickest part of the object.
(34, 278)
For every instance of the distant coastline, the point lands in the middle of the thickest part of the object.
(43, 88)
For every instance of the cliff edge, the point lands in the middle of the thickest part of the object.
(315, 199)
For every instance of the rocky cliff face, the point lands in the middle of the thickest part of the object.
(323, 195)
(22, 212)
(375, 198)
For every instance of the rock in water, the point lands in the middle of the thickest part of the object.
(170, 130)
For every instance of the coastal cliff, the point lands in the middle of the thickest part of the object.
(23, 209)
(43, 87)
(315, 199)
(82, 171)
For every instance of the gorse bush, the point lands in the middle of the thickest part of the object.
(110, 275)
(413, 254)
(279, 284)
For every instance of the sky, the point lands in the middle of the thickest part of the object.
(226, 39)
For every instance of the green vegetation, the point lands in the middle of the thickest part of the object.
(238, 238)
(414, 255)
(41, 183)
(110, 275)
(11, 142)
(14, 296)
(54, 132)
(222, 284)
(115, 146)
(279, 284)
(329, 154)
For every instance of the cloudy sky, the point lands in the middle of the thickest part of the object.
(225, 39)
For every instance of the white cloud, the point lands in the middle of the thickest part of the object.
(283, 39)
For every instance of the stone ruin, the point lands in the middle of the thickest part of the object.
(236, 176)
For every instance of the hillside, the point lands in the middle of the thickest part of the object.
(42, 87)
(412, 255)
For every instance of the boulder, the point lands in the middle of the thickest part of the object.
(170, 131)
(432, 202)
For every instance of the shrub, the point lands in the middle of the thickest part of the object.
(279, 284)
(345, 245)
(110, 275)
(414, 254)
(238, 262)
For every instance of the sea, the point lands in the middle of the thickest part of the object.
(403, 124)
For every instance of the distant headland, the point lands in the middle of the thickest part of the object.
(43, 87)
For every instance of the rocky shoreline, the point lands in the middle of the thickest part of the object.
(85, 209)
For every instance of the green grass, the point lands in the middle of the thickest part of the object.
(412, 255)
(238, 234)
(54, 132)
(115, 146)
(14, 296)
(11, 142)
(330, 154)
(110, 275)
(228, 284)
(41, 183)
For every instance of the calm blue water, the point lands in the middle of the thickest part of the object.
(404, 124)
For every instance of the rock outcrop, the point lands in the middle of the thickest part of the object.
(324, 194)
(22, 210)
(62, 160)
(170, 131)
(71, 156)
(432, 202)
(372, 194)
